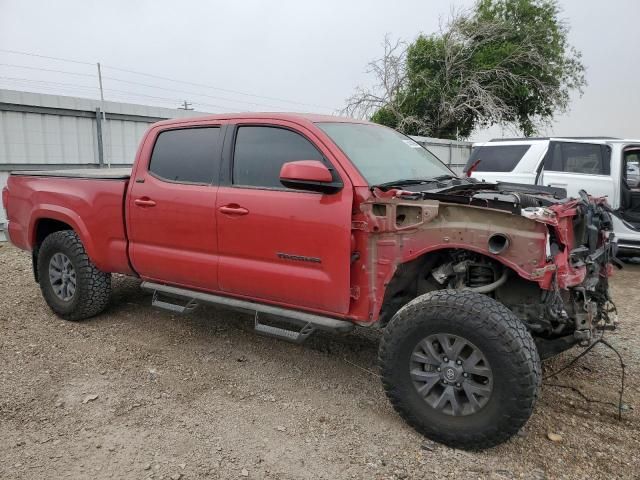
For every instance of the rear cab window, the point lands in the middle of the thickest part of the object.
(187, 155)
(496, 158)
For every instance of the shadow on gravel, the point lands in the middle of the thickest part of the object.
(208, 320)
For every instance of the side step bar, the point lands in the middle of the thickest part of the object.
(308, 321)
(295, 336)
(158, 301)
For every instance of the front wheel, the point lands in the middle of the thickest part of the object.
(460, 368)
(71, 284)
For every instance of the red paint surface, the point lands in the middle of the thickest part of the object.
(311, 170)
(93, 208)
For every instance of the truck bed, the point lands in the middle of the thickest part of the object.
(92, 173)
(88, 201)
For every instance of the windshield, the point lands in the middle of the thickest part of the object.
(383, 155)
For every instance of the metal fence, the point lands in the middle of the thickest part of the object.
(453, 153)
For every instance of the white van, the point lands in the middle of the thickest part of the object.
(599, 166)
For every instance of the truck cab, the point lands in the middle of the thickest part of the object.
(229, 224)
(603, 167)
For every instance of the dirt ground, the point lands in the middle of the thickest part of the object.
(141, 393)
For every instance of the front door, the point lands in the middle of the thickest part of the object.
(171, 209)
(275, 244)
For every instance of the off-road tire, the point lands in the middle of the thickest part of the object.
(502, 338)
(93, 287)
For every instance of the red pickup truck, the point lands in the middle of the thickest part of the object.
(317, 222)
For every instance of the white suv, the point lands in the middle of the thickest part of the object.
(600, 166)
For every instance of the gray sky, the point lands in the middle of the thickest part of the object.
(314, 53)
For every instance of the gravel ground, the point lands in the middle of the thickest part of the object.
(141, 393)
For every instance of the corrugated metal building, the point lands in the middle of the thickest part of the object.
(40, 131)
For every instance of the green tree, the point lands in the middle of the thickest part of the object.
(504, 62)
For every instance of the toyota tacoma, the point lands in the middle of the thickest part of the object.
(316, 222)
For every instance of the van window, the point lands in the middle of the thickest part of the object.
(583, 158)
(260, 153)
(187, 155)
(496, 158)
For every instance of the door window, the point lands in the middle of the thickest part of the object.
(260, 153)
(187, 155)
(578, 158)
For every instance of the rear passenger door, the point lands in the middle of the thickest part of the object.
(577, 166)
(279, 245)
(171, 208)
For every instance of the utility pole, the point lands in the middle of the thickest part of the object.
(186, 106)
(104, 114)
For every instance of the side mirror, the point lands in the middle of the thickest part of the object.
(310, 175)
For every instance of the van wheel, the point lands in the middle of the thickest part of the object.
(71, 284)
(460, 368)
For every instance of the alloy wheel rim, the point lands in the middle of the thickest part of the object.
(62, 276)
(451, 374)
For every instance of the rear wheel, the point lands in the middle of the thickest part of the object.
(460, 368)
(71, 284)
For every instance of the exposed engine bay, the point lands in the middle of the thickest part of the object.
(565, 316)
(563, 300)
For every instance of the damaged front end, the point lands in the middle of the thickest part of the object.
(545, 257)
(576, 301)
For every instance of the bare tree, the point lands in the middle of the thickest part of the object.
(459, 93)
(390, 72)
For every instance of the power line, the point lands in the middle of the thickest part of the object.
(174, 100)
(16, 52)
(26, 67)
(126, 91)
(190, 92)
(122, 95)
(237, 92)
(119, 95)
(49, 89)
(28, 80)
(129, 93)
(67, 72)
(217, 88)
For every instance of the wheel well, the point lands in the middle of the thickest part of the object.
(44, 228)
(414, 278)
(47, 226)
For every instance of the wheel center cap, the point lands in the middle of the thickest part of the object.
(450, 374)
